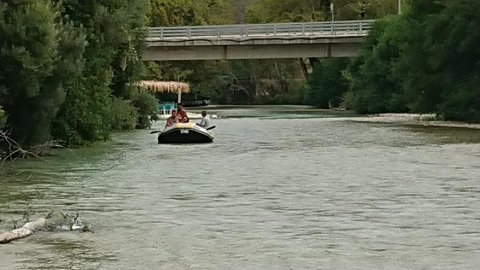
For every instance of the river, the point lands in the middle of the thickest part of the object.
(280, 188)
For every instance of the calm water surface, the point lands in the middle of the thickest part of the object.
(278, 189)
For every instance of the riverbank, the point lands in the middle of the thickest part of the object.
(227, 111)
(414, 119)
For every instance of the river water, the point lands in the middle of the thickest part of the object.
(280, 188)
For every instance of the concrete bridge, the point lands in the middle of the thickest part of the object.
(257, 41)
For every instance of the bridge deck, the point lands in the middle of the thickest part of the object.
(315, 29)
(256, 41)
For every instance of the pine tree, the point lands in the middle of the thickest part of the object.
(38, 56)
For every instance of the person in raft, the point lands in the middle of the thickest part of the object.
(173, 119)
(205, 123)
(182, 115)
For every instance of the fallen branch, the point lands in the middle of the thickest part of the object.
(26, 230)
(13, 150)
(55, 221)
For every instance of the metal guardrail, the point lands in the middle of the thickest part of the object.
(313, 29)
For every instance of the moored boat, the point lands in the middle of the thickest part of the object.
(185, 133)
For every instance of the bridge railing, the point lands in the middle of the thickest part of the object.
(336, 28)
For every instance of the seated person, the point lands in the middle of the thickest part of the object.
(173, 119)
(182, 116)
(205, 123)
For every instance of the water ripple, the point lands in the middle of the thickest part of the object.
(279, 192)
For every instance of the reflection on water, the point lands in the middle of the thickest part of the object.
(274, 191)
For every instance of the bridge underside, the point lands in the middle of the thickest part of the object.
(206, 50)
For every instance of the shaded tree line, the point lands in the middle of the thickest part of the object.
(425, 61)
(67, 66)
(328, 81)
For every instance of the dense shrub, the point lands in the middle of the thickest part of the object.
(124, 115)
(146, 106)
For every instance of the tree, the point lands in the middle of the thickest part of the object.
(115, 38)
(268, 11)
(200, 74)
(124, 115)
(40, 53)
(439, 59)
(421, 84)
(364, 9)
(327, 84)
(427, 60)
(239, 7)
(146, 106)
(271, 11)
(375, 87)
(186, 12)
(454, 56)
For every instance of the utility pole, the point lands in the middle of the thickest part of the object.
(399, 7)
(332, 11)
(333, 16)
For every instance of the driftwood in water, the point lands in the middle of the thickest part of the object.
(55, 221)
(27, 230)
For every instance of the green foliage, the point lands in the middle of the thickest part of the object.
(259, 82)
(61, 61)
(348, 100)
(146, 106)
(3, 118)
(427, 60)
(112, 65)
(39, 54)
(364, 9)
(421, 84)
(68, 67)
(239, 7)
(233, 82)
(124, 115)
(86, 114)
(327, 83)
(201, 75)
(376, 88)
(115, 38)
(128, 67)
(187, 12)
(268, 11)
(463, 103)
(454, 58)
(238, 81)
